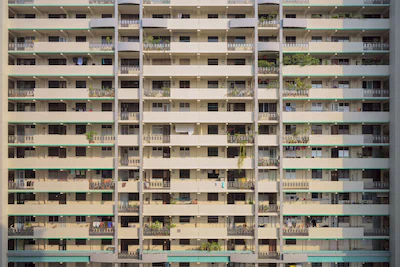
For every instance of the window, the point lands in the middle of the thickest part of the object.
(212, 174)
(213, 151)
(57, 61)
(80, 151)
(133, 196)
(80, 39)
(212, 219)
(53, 218)
(80, 84)
(212, 107)
(340, 39)
(316, 106)
(106, 61)
(290, 174)
(212, 197)
(106, 242)
(80, 129)
(290, 129)
(106, 196)
(316, 264)
(212, 84)
(212, 61)
(291, 39)
(316, 129)
(57, 16)
(290, 242)
(316, 152)
(184, 264)
(184, 219)
(237, 61)
(290, 16)
(316, 84)
(80, 218)
(80, 242)
(80, 16)
(316, 39)
(212, 129)
(129, 84)
(184, 39)
(317, 174)
(213, 39)
(54, 242)
(343, 153)
(184, 196)
(80, 196)
(184, 152)
(184, 174)
(106, 16)
(53, 196)
(212, 16)
(106, 106)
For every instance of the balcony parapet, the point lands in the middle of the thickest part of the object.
(270, 255)
(129, 69)
(268, 116)
(376, 232)
(24, 231)
(129, 116)
(295, 185)
(240, 185)
(157, 185)
(129, 23)
(128, 208)
(241, 231)
(129, 161)
(240, 138)
(240, 46)
(268, 23)
(104, 184)
(295, 232)
(157, 138)
(268, 208)
(268, 162)
(128, 255)
(101, 230)
(376, 185)
(157, 47)
(268, 70)
(294, 139)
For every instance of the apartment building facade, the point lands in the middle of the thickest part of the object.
(199, 133)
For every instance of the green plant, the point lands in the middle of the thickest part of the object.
(214, 246)
(108, 40)
(326, 62)
(250, 201)
(300, 59)
(242, 155)
(266, 64)
(166, 91)
(156, 225)
(204, 246)
(90, 135)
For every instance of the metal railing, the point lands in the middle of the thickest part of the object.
(157, 138)
(157, 47)
(157, 2)
(240, 138)
(128, 208)
(296, 185)
(376, 232)
(268, 23)
(103, 139)
(273, 255)
(248, 231)
(106, 92)
(376, 139)
(157, 185)
(101, 1)
(376, 93)
(128, 255)
(376, 185)
(131, 161)
(295, 231)
(300, 46)
(268, 162)
(375, 46)
(240, 185)
(105, 184)
(125, 115)
(25, 184)
(21, 46)
(240, 47)
(101, 47)
(101, 230)
(268, 70)
(268, 208)
(157, 92)
(129, 69)
(16, 139)
(164, 231)
(25, 231)
(129, 23)
(21, 92)
(268, 116)
(287, 92)
(234, 2)
(240, 92)
(290, 139)
(376, 2)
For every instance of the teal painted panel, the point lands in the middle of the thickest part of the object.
(198, 259)
(49, 259)
(348, 259)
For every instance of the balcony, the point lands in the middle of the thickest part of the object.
(337, 2)
(333, 116)
(303, 209)
(376, 185)
(66, 210)
(48, 24)
(337, 93)
(336, 70)
(129, 116)
(268, 46)
(164, 231)
(129, 70)
(335, 163)
(338, 186)
(197, 3)
(148, 185)
(59, 139)
(249, 185)
(267, 232)
(268, 23)
(335, 47)
(107, 184)
(335, 232)
(60, 93)
(128, 208)
(128, 255)
(62, 47)
(295, 185)
(241, 231)
(344, 139)
(268, 70)
(197, 117)
(197, 186)
(128, 46)
(204, 163)
(295, 232)
(49, 2)
(101, 230)
(291, 139)
(240, 139)
(376, 232)
(268, 116)
(197, 70)
(198, 233)
(59, 117)
(337, 24)
(187, 24)
(198, 210)
(129, 24)
(25, 231)
(60, 70)
(268, 162)
(129, 161)
(61, 163)
(200, 93)
(269, 255)
(67, 185)
(268, 208)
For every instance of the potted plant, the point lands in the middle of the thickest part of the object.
(90, 135)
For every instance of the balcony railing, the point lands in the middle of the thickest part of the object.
(101, 230)
(240, 47)
(298, 46)
(25, 139)
(106, 92)
(157, 185)
(105, 184)
(234, 2)
(157, 138)
(376, 232)
(101, 47)
(157, 92)
(21, 92)
(375, 46)
(21, 46)
(24, 231)
(376, 185)
(240, 138)
(130, 161)
(157, 2)
(376, 139)
(157, 47)
(295, 232)
(123, 69)
(129, 23)
(240, 92)
(125, 115)
(268, 116)
(376, 93)
(101, 2)
(295, 92)
(268, 23)
(268, 208)
(237, 231)
(291, 139)
(268, 162)
(240, 185)
(128, 255)
(273, 255)
(128, 208)
(164, 231)
(23, 184)
(268, 70)
(295, 185)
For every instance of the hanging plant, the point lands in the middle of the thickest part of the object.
(242, 154)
